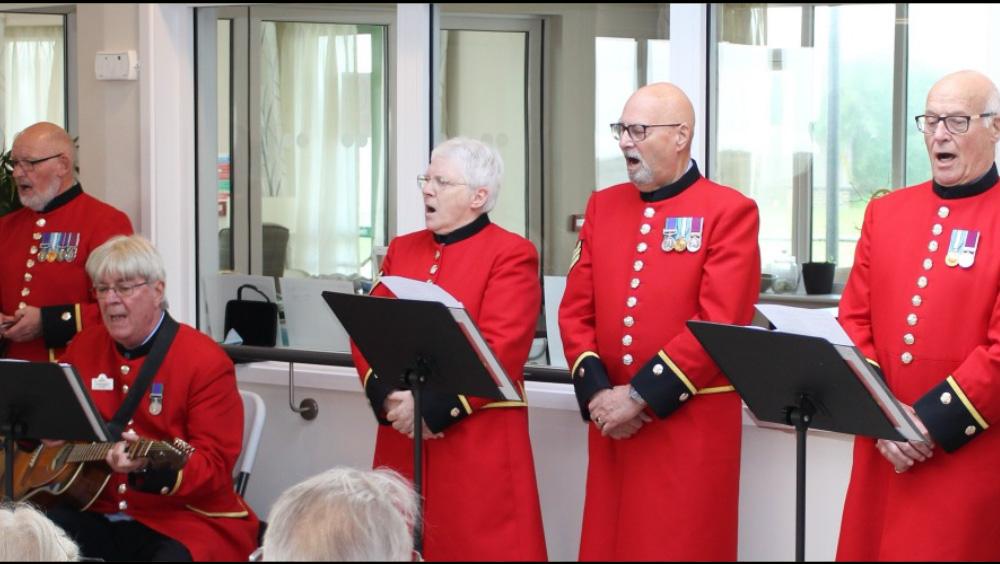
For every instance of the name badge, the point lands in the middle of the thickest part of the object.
(102, 383)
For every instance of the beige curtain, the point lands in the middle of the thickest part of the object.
(743, 24)
(31, 77)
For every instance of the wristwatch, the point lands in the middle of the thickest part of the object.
(634, 395)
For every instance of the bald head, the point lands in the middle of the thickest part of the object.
(663, 155)
(959, 158)
(45, 155)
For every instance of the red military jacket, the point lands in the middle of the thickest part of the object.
(923, 302)
(644, 265)
(43, 265)
(481, 498)
(192, 397)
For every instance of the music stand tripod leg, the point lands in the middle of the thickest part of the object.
(415, 380)
(801, 417)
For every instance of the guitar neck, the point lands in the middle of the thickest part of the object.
(91, 452)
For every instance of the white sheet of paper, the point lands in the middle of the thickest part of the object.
(409, 289)
(220, 288)
(554, 287)
(310, 323)
(804, 321)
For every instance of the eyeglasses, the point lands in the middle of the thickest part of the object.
(423, 181)
(927, 124)
(27, 165)
(121, 290)
(637, 131)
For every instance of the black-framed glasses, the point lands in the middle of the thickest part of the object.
(637, 131)
(103, 291)
(27, 165)
(927, 124)
(441, 182)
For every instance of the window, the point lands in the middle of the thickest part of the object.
(32, 72)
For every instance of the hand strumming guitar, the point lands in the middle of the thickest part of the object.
(120, 461)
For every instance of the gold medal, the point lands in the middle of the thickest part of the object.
(680, 245)
(951, 259)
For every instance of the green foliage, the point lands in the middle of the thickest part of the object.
(8, 188)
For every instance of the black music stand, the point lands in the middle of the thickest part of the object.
(43, 400)
(805, 382)
(421, 345)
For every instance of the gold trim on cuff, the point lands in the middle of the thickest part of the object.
(716, 390)
(968, 404)
(177, 485)
(465, 404)
(364, 382)
(579, 359)
(678, 372)
(78, 317)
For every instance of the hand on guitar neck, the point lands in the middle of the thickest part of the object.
(120, 457)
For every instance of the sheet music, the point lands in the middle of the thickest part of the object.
(83, 398)
(804, 321)
(409, 289)
(899, 418)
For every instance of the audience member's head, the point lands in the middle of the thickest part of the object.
(26, 534)
(42, 159)
(343, 514)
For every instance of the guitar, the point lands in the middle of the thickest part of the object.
(76, 473)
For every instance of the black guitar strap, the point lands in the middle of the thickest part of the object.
(161, 344)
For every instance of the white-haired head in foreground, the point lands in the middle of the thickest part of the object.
(27, 535)
(343, 514)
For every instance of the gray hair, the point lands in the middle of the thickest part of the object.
(481, 164)
(26, 534)
(343, 514)
(127, 256)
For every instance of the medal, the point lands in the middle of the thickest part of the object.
(694, 239)
(954, 246)
(156, 399)
(680, 245)
(669, 235)
(967, 256)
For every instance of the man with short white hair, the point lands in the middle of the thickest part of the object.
(923, 304)
(344, 515)
(44, 291)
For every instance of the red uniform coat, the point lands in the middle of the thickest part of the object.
(671, 491)
(200, 405)
(43, 265)
(934, 329)
(481, 499)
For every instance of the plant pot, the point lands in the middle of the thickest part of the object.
(818, 277)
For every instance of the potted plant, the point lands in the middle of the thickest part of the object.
(8, 188)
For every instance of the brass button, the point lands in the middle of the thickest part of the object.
(66, 316)
(30, 263)
(932, 246)
(645, 228)
(627, 340)
(946, 398)
(906, 357)
(657, 369)
(641, 247)
(429, 281)
(437, 254)
(911, 319)
(40, 222)
(917, 300)
(125, 391)
(36, 236)
(627, 360)
(454, 412)
(908, 338)
(22, 305)
(581, 372)
(122, 505)
(33, 250)
(637, 266)
(922, 282)
(970, 430)
(434, 269)
(629, 321)
(928, 263)
(648, 212)
(943, 212)
(631, 301)
(937, 229)
(164, 490)
(122, 488)
(126, 368)
(684, 396)
(25, 291)
(27, 277)
(634, 283)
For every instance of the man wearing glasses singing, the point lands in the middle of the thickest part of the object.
(667, 247)
(44, 290)
(923, 303)
(481, 499)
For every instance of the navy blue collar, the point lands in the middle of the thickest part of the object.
(670, 190)
(63, 199)
(463, 232)
(143, 349)
(976, 188)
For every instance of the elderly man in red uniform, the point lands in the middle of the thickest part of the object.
(147, 513)
(923, 303)
(667, 247)
(44, 291)
(481, 499)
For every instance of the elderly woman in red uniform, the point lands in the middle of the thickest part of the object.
(147, 513)
(481, 500)
(923, 302)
